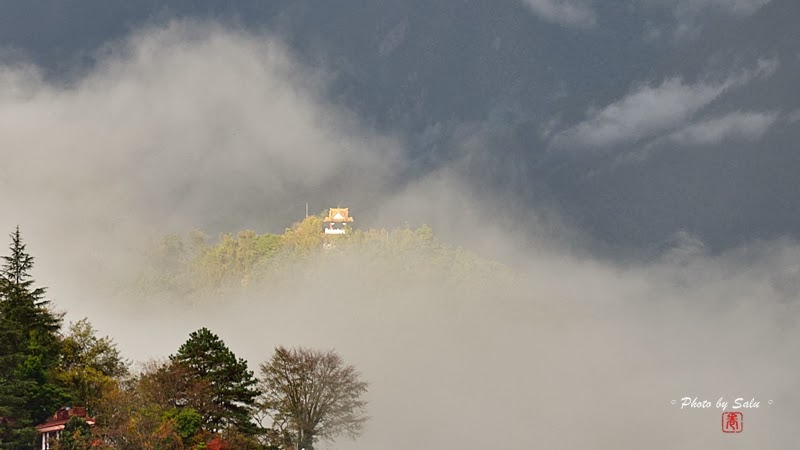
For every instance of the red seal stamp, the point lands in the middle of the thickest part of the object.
(732, 422)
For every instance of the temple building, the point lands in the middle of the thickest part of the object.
(50, 430)
(337, 221)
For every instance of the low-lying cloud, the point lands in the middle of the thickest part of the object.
(691, 15)
(742, 125)
(644, 112)
(647, 111)
(181, 125)
(570, 13)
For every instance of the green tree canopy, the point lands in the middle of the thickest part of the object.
(77, 435)
(89, 363)
(233, 393)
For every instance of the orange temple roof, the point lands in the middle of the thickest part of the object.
(339, 215)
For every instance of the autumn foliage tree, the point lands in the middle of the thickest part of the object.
(141, 411)
(200, 398)
(310, 394)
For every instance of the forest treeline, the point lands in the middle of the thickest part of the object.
(196, 267)
(202, 397)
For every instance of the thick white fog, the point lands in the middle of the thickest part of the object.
(196, 125)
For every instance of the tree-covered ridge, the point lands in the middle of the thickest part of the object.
(193, 265)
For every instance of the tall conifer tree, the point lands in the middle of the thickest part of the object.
(29, 351)
(233, 393)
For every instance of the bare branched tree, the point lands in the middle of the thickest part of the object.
(311, 394)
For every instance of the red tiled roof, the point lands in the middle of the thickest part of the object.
(58, 420)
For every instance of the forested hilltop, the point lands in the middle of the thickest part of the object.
(197, 268)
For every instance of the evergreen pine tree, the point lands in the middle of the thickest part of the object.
(29, 351)
(233, 392)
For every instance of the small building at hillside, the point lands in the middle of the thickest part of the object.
(337, 221)
(51, 429)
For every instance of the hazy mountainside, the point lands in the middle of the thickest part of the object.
(196, 270)
(519, 105)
